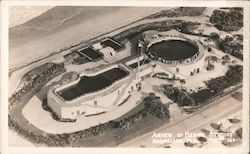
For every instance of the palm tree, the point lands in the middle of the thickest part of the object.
(182, 82)
(210, 61)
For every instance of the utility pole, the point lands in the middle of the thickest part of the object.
(138, 62)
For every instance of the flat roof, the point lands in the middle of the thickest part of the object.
(90, 53)
(111, 43)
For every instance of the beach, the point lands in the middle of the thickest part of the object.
(76, 29)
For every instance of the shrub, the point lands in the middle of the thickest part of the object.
(215, 126)
(234, 120)
(179, 96)
(37, 78)
(155, 107)
(205, 131)
(239, 132)
(233, 76)
(201, 96)
(202, 139)
(232, 47)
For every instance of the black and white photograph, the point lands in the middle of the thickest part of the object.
(125, 75)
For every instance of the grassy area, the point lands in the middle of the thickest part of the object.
(183, 26)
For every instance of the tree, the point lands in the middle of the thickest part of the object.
(239, 132)
(225, 58)
(168, 89)
(201, 139)
(182, 81)
(233, 76)
(213, 58)
(210, 62)
(155, 107)
(214, 36)
(186, 101)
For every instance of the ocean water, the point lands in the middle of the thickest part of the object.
(37, 38)
(21, 14)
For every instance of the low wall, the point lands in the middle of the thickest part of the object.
(68, 84)
(134, 60)
(172, 37)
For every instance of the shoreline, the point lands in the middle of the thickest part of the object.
(57, 56)
(68, 43)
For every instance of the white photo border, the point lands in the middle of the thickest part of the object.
(150, 3)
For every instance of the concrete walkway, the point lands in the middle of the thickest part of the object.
(43, 120)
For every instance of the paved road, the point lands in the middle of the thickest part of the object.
(219, 109)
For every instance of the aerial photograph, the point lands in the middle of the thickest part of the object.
(125, 76)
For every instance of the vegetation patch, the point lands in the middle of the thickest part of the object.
(230, 19)
(238, 95)
(179, 96)
(151, 111)
(232, 45)
(201, 96)
(239, 132)
(234, 121)
(214, 86)
(181, 11)
(36, 78)
(233, 76)
(180, 25)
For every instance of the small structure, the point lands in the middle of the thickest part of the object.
(108, 42)
(97, 46)
(108, 52)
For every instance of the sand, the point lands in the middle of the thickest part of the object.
(20, 54)
(23, 51)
